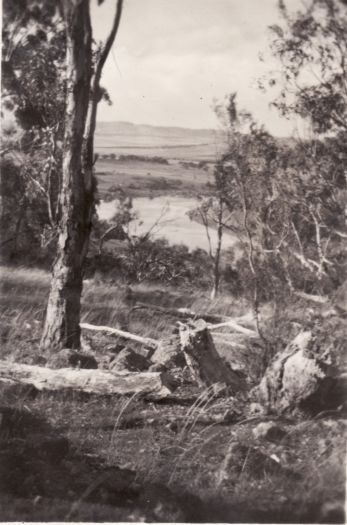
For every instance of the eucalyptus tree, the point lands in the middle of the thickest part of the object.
(51, 83)
(311, 47)
(286, 203)
(243, 178)
(211, 213)
(83, 93)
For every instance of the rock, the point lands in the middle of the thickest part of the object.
(168, 354)
(270, 431)
(305, 376)
(67, 358)
(129, 360)
(252, 462)
(79, 360)
(39, 360)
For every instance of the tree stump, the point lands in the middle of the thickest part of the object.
(206, 365)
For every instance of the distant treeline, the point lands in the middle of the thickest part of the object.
(138, 158)
(202, 164)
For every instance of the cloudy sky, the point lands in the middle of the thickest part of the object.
(173, 58)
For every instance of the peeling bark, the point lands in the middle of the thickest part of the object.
(61, 327)
(89, 381)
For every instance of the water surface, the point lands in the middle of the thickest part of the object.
(174, 223)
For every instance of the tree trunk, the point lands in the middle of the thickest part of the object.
(216, 269)
(94, 99)
(61, 327)
(19, 221)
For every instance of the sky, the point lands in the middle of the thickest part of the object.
(173, 58)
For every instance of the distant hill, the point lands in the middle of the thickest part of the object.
(169, 142)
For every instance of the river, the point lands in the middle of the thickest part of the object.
(174, 223)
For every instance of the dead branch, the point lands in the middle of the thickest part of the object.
(234, 326)
(152, 343)
(181, 313)
(223, 339)
(320, 299)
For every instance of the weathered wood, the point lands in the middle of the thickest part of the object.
(206, 366)
(152, 343)
(209, 318)
(90, 381)
(186, 313)
(222, 339)
(234, 326)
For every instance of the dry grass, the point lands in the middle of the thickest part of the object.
(142, 178)
(167, 444)
(191, 457)
(24, 293)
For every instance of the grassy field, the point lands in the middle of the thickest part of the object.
(173, 468)
(148, 178)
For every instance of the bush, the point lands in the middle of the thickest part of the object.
(154, 261)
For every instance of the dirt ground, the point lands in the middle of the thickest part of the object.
(192, 457)
(96, 459)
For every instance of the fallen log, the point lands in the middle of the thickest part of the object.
(206, 365)
(186, 313)
(152, 343)
(100, 382)
(181, 313)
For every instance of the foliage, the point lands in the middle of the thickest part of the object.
(286, 207)
(312, 48)
(33, 86)
(21, 220)
(120, 249)
(33, 93)
(287, 199)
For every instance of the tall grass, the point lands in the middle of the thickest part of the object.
(24, 293)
